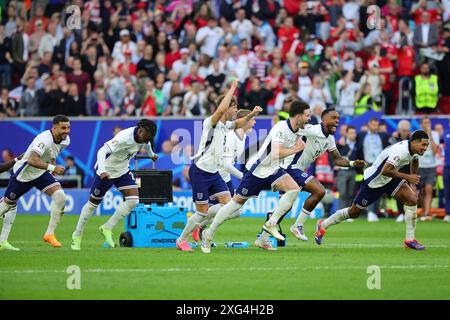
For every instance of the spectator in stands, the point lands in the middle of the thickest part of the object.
(131, 100)
(404, 35)
(29, 106)
(364, 101)
(372, 76)
(75, 104)
(242, 26)
(72, 170)
(79, 77)
(264, 32)
(103, 107)
(425, 35)
(444, 65)
(427, 170)
(19, 47)
(35, 39)
(259, 95)
(123, 44)
(215, 77)
(426, 90)
(194, 101)
(346, 90)
(8, 106)
(319, 94)
(304, 81)
(345, 177)
(208, 37)
(5, 59)
(368, 146)
(49, 41)
(259, 62)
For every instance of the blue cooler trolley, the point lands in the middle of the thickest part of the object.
(153, 223)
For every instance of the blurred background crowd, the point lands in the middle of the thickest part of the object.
(174, 57)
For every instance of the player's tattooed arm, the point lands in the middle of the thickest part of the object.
(340, 161)
(239, 123)
(390, 171)
(35, 161)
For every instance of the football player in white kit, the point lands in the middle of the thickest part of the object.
(264, 172)
(37, 169)
(205, 178)
(318, 140)
(383, 177)
(113, 168)
(234, 149)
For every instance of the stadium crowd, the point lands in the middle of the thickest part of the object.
(174, 57)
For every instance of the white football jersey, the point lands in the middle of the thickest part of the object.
(398, 155)
(315, 145)
(46, 147)
(234, 148)
(212, 145)
(261, 164)
(122, 148)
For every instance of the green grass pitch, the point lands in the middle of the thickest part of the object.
(302, 270)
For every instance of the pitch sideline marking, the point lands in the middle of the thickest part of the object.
(431, 266)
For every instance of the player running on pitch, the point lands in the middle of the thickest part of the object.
(383, 177)
(112, 168)
(204, 175)
(234, 149)
(264, 172)
(318, 139)
(37, 169)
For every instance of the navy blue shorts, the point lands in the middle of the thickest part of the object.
(100, 187)
(301, 177)
(206, 185)
(213, 201)
(367, 195)
(16, 188)
(251, 186)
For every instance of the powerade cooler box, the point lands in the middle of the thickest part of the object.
(153, 223)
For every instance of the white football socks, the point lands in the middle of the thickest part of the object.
(193, 222)
(5, 207)
(284, 205)
(301, 219)
(122, 211)
(225, 213)
(410, 221)
(7, 223)
(336, 218)
(56, 210)
(86, 213)
(212, 211)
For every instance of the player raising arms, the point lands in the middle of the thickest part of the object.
(112, 168)
(37, 169)
(383, 177)
(318, 139)
(205, 178)
(264, 172)
(234, 148)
